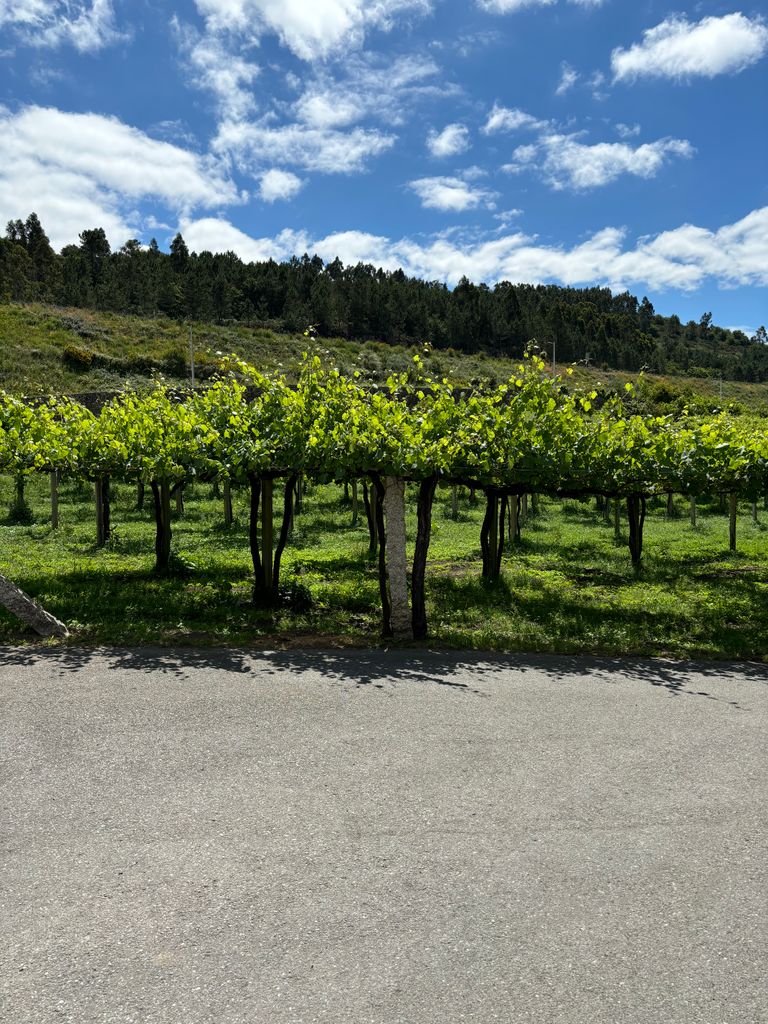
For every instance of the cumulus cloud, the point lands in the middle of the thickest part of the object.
(564, 162)
(213, 234)
(312, 31)
(678, 48)
(506, 119)
(99, 180)
(276, 184)
(51, 23)
(452, 140)
(683, 258)
(451, 194)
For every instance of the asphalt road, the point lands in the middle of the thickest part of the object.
(210, 837)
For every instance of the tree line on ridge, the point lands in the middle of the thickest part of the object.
(590, 325)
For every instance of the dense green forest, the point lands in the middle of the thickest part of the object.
(589, 325)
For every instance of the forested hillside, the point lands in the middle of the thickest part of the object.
(364, 302)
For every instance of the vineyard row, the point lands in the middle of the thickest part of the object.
(533, 434)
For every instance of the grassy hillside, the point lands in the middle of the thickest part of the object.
(47, 349)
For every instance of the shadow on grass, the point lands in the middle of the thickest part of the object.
(462, 516)
(569, 620)
(309, 527)
(357, 562)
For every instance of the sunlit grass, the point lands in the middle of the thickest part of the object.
(567, 587)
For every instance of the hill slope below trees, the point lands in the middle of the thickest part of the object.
(47, 349)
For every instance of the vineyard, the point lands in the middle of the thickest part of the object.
(414, 480)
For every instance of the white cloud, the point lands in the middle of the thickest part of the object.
(324, 109)
(504, 119)
(366, 87)
(216, 235)
(322, 133)
(173, 131)
(256, 146)
(313, 31)
(505, 217)
(564, 162)
(276, 184)
(684, 258)
(26, 12)
(229, 76)
(507, 6)
(473, 173)
(524, 156)
(98, 180)
(467, 43)
(452, 140)
(678, 48)
(627, 131)
(66, 202)
(451, 194)
(86, 26)
(568, 78)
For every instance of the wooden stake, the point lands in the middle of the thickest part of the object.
(98, 496)
(267, 539)
(514, 518)
(397, 571)
(734, 505)
(54, 500)
(494, 538)
(228, 517)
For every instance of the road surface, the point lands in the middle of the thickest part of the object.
(386, 837)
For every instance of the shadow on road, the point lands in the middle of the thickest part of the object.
(388, 668)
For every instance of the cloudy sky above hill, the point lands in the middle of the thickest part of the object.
(572, 141)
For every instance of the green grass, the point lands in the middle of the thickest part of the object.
(567, 587)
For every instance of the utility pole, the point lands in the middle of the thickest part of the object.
(554, 356)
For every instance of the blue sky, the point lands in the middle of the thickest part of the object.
(574, 141)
